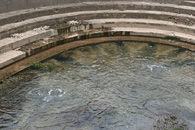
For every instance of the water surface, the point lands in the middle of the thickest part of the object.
(118, 85)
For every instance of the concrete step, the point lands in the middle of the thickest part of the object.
(156, 33)
(142, 23)
(22, 4)
(166, 37)
(12, 43)
(10, 57)
(29, 24)
(189, 3)
(20, 15)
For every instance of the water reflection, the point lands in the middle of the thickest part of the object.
(116, 85)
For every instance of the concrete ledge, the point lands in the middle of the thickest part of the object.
(142, 23)
(119, 31)
(29, 24)
(27, 37)
(189, 3)
(157, 33)
(21, 15)
(11, 57)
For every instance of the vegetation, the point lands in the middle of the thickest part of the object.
(41, 66)
(37, 65)
(170, 123)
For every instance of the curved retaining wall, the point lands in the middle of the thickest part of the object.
(58, 46)
(36, 31)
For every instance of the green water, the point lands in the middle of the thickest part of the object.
(117, 86)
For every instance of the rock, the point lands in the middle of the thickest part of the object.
(73, 23)
(65, 56)
(16, 35)
(41, 28)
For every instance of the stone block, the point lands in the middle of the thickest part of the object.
(11, 57)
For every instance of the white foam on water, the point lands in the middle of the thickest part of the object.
(151, 67)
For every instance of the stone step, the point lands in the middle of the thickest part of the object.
(189, 3)
(142, 23)
(29, 24)
(157, 33)
(21, 15)
(12, 43)
(166, 37)
(10, 57)
(8, 5)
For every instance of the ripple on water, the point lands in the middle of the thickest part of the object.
(116, 85)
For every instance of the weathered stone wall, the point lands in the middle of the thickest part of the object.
(11, 5)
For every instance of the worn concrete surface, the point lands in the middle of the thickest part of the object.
(12, 5)
(50, 20)
(21, 15)
(11, 57)
(10, 43)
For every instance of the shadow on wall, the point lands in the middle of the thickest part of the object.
(11, 5)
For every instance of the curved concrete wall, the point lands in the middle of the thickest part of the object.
(67, 22)
(11, 5)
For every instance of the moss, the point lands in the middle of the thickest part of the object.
(41, 66)
(170, 122)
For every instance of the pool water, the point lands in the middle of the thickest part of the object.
(121, 85)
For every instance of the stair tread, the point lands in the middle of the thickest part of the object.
(146, 21)
(157, 31)
(10, 43)
(26, 11)
(11, 57)
(50, 17)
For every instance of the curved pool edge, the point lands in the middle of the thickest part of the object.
(58, 46)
